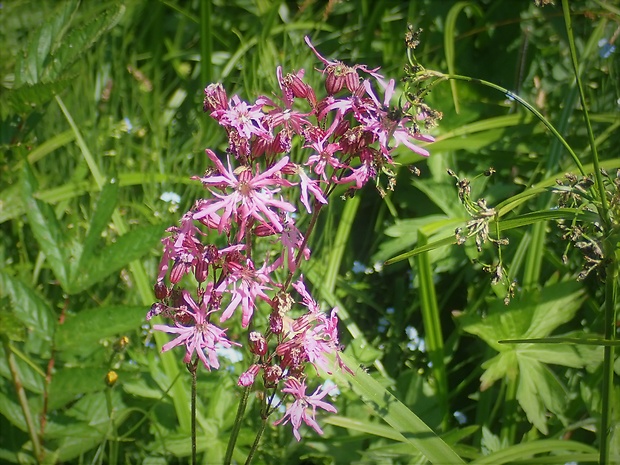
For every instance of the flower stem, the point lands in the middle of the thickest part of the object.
(259, 435)
(23, 401)
(519, 100)
(237, 425)
(193, 368)
(609, 255)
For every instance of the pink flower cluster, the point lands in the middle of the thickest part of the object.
(253, 197)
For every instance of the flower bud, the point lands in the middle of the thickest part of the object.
(258, 343)
(334, 83)
(161, 291)
(215, 98)
(247, 378)
(201, 271)
(351, 80)
(111, 378)
(297, 86)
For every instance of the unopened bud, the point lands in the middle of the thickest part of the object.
(258, 343)
(334, 83)
(247, 378)
(297, 86)
(352, 80)
(111, 378)
(215, 98)
(161, 290)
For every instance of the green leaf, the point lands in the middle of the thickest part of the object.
(70, 382)
(28, 307)
(11, 410)
(538, 391)
(129, 247)
(537, 314)
(79, 40)
(26, 98)
(81, 333)
(448, 41)
(46, 229)
(406, 424)
(528, 450)
(31, 65)
(100, 219)
(498, 367)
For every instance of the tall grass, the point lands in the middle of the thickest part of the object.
(101, 113)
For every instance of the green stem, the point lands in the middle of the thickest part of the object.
(23, 401)
(509, 430)
(113, 457)
(586, 116)
(608, 354)
(193, 368)
(206, 42)
(432, 328)
(518, 99)
(259, 435)
(608, 254)
(237, 426)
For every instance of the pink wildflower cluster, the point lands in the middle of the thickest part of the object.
(252, 197)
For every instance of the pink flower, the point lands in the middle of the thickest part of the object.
(340, 75)
(200, 336)
(307, 184)
(245, 285)
(304, 407)
(325, 150)
(250, 196)
(245, 119)
(247, 377)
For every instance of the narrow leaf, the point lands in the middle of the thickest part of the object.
(45, 227)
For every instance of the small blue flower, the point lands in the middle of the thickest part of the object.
(605, 49)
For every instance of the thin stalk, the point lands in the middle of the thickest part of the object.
(608, 254)
(206, 42)
(432, 328)
(237, 425)
(509, 429)
(516, 98)
(193, 368)
(608, 354)
(259, 435)
(23, 401)
(586, 116)
(113, 454)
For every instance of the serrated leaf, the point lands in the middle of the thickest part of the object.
(11, 203)
(11, 410)
(28, 307)
(78, 41)
(538, 391)
(502, 365)
(128, 247)
(69, 382)
(82, 332)
(29, 97)
(30, 67)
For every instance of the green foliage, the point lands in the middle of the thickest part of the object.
(100, 113)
